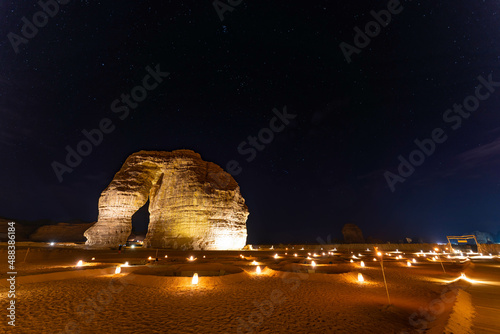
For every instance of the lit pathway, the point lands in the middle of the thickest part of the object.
(486, 298)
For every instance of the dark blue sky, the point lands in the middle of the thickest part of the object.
(326, 168)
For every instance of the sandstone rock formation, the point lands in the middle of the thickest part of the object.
(352, 234)
(194, 204)
(61, 232)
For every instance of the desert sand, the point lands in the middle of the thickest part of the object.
(289, 296)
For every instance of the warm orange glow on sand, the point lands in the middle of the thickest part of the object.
(360, 277)
(362, 264)
(258, 271)
(194, 281)
(313, 264)
(118, 270)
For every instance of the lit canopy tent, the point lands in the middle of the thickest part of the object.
(463, 239)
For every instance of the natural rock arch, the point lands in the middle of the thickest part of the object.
(194, 204)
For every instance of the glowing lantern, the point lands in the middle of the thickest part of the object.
(275, 256)
(255, 263)
(191, 258)
(118, 270)
(133, 246)
(203, 256)
(258, 270)
(80, 263)
(351, 261)
(408, 263)
(295, 254)
(362, 264)
(126, 264)
(436, 249)
(150, 258)
(374, 259)
(313, 264)
(194, 281)
(52, 243)
(93, 258)
(166, 256)
(360, 277)
(379, 253)
(414, 261)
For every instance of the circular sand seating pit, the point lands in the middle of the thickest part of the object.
(187, 270)
(320, 268)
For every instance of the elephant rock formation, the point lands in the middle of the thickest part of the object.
(193, 204)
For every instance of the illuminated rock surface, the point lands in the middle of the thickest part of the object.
(194, 204)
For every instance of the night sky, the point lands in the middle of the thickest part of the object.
(327, 167)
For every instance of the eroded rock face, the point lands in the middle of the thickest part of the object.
(194, 204)
(352, 234)
(61, 232)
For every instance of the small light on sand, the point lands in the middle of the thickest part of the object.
(276, 255)
(379, 253)
(324, 254)
(375, 259)
(360, 277)
(313, 264)
(118, 270)
(295, 254)
(258, 270)
(191, 258)
(194, 281)
(133, 246)
(286, 253)
(368, 249)
(80, 263)
(255, 263)
(166, 256)
(436, 249)
(359, 254)
(414, 261)
(316, 255)
(335, 249)
(203, 256)
(362, 264)
(93, 258)
(52, 243)
(408, 263)
(150, 258)
(308, 258)
(351, 261)
(126, 264)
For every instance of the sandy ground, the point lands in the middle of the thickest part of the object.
(150, 297)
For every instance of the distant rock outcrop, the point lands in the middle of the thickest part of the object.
(485, 237)
(61, 232)
(352, 234)
(193, 204)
